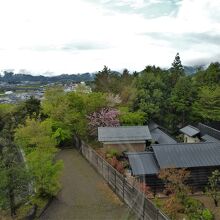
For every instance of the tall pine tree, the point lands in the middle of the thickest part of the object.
(177, 70)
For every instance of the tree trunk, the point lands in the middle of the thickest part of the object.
(12, 203)
(216, 202)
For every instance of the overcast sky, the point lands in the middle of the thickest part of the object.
(76, 36)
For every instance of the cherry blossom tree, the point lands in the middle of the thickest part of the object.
(106, 117)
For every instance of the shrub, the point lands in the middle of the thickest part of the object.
(157, 202)
(120, 167)
(173, 206)
(116, 164)
(193, 208)
(207, 215)
(112, 153)
(213, 187)
(113, 162)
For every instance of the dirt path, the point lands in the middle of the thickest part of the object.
(84, 195)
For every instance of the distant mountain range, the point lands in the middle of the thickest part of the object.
(10, 77)
(190, 70)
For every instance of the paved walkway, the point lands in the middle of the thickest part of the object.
(84, 195)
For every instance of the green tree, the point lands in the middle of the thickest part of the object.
(131, 118)
(14, 179)
(210, 76)
(54, 103)
(207, 107)
(38, 141)
(150, 87)
(213, 189)
(7, 120)
(182, 97)
(35, 134)
(174, 180)
(107, 81)
(177, 70)
(44, 172)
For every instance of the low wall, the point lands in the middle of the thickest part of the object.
(132, 196)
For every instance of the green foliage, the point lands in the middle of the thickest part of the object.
(54, 102)
(14, 179)
(173, 207)
(32, 107)
(60, 135)
(207, 106)
(182, 97)
(107, 81)
(94, 101)
(131, 118)
(35, 134)
(39, 144)
(213, 189)
(6, 108)
(207, 215)
(150, 96)
(68, 111)
(158, 203)
(45, 172)
(112, 153)
(176, 71)
(173, 99)
(7, 120)
(209, 77)
(195, 210)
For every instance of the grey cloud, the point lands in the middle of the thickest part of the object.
(149, 9)
(187, 39)
(85, 46)
(204, 60)
(73, 46)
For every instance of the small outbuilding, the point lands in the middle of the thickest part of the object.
(190, 134)
(125, 138)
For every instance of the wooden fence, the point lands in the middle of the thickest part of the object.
(132, 196)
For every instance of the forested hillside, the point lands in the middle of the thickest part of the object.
(170, 97)
(10, 77)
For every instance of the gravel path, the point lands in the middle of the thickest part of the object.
(84, 195)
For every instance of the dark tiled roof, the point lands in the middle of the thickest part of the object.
(187, 155)
(161, 137)
(190, 130)
(204, 129)
(152, 125)
(209, 138)
(124, 133)
(143, 163)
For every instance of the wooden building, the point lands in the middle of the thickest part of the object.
(125, 138)
(199, 158)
